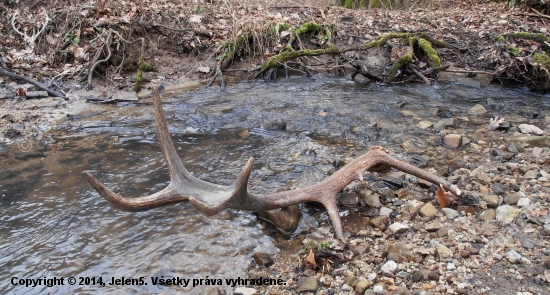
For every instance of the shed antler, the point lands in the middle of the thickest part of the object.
(30, 39)
(210, 198)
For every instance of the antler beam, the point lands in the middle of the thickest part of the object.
(210, 198)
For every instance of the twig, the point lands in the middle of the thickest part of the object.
(470, 72)
(417, 73)
(33, 82)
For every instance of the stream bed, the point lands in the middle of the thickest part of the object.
(53, 224)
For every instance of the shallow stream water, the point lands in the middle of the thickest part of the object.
(53, 224)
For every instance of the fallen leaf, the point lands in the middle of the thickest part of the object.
(310, 259)
(21, 92)
(444, 198)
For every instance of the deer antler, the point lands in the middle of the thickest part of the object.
(210, 198)
(30, 39)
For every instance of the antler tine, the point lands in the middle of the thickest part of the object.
(182, 184)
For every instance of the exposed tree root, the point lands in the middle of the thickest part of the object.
(422, 41)
(142, 65)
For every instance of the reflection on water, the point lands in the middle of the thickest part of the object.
(52, 224)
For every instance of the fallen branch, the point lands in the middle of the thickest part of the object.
(417, 73)
(33, 82)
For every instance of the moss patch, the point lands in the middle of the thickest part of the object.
(514, 51)
(530, 36)
(542, 58)
(430, 51)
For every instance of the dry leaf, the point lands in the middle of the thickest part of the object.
(21, 92)
(444, 198)
(310, 259)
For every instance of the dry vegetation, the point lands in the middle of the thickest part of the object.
(209, 39)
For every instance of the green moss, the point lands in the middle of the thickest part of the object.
(307, 28)
(514, 51)
(430, 51)
(530, 36)
(500, 38)
(542, 58)
(402, 61)
(348, 4)
(147, 66)
(139, 78)
(363, 3)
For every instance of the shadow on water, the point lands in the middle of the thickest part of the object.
(53, 224)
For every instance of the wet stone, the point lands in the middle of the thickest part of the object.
(348, 199)
(443, 231)
(285, 219)
(380, 222)
(307, 284)
(512, 148)
(262, 259)
(478, 109)
(522, 202)
(453, 141)
(403, 274)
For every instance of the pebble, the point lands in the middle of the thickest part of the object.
(478, 109)
(531, 174)
(417, 276)
(262, 259)
(403, 274)
(389, 267)
(378, 289)
(491, 200)
(398, 228)
(443, 251)
(434, 226)
(307, 284)
(487, 215)
(507, 213)
(513, 257)
(451, 266)
(450, 213)
(425, 124)
(380, 222)
(498, 188)
(528, 243)
(512, 199)
(245, 291)
(362, 286)
(428, 210)
(433, 276)
(522, 202)
(385, 211)
(453, 141)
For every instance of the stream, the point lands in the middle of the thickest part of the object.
(53, 224)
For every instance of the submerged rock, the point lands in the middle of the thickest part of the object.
(478, 109)
(285, 219)
(453, 141)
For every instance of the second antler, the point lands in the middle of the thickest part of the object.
(210, 198)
